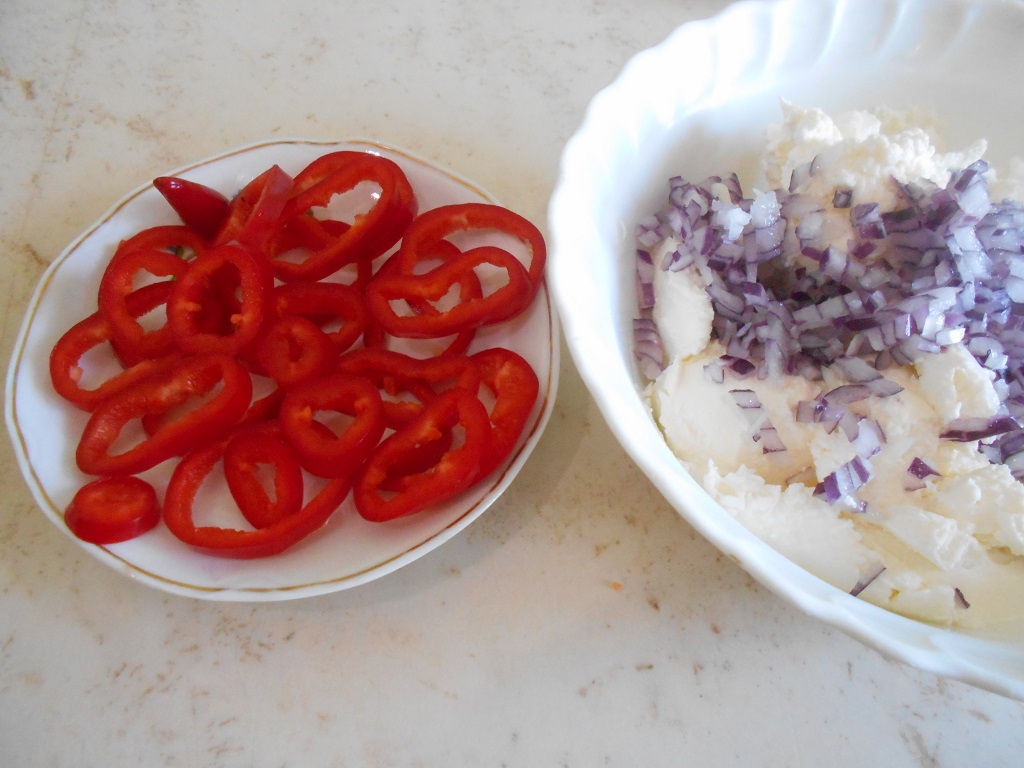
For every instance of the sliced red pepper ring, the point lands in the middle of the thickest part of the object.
(308, 233)
(178, 239)
(515, 387)
(455, 471)
(113, 509)
(417, 461)
(320, 450)
(470, 289)
(192, 378)
(395, 373)
(66, 356)
(254, 214)
(370, 234)
(132, 341)
(327, 304)
(293, 349)
(203, 209)
(275, 538)
(505, 302)
(448, 220)
(220, 303)
(245, 454)
(203, 284)
(262, 409)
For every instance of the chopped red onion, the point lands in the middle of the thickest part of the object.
(647, 347)
(945, 267)
(766, 434)
(920, 469)
(969, 429)
(644, 280)
(865, 581)
(746, 398)
(769, 438)
(845, 480)
(917, 472)
(959, 600)
(842, 198)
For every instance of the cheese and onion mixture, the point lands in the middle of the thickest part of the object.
(839, 359)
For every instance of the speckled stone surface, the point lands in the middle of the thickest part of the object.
(579, 622)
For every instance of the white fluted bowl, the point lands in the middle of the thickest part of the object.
(697, 104)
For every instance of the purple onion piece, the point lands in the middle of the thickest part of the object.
(865, 581)
(959, 600)
(967, 430)
(947, 266)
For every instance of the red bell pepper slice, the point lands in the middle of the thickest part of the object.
(261, 410)
(469, 289)
(112, 509)
(325, 303)
(450, 220)
(457, 469)
(192, 378)
(246, 452)
(203, 209)
(395, 373)
(202, 284)
(178, 239)
(515, 387)
(254, 214)
(308, 233)
(293, 350)
(66, 356)
(370, 234)
(275, 538)
(320, 450)
(132, 341)
(505, 302)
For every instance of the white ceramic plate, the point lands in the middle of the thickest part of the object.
(348, 551)
(698, 104)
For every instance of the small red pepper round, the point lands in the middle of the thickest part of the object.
(191, 378)
(66, 356)
(319, 449)
(515, 387)
(448, 220)
(184, 242)
(395, 373)
(275, 538)
(470, 289)
(325, 304)
(112, 509)
(203, 209)
(505, 302)
(245, 453)
(202, 284)
(293, 349)
(455, 471)
(132, 341)
(370, 234)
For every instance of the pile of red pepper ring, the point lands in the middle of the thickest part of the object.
(250, 288)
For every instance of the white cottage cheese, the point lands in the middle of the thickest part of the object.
(861, 150)
(926, 552)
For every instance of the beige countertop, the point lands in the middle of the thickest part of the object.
(578, 622)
